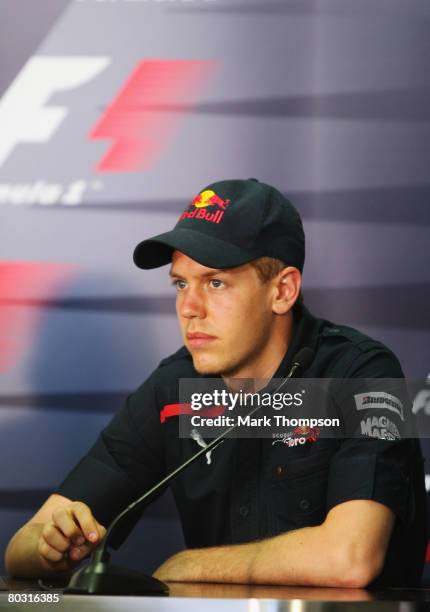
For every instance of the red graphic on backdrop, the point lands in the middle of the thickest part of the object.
(145, 114)
(23, 287)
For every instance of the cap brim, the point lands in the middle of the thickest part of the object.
(203, 248)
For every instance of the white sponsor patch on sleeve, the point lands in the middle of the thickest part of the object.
(379, 399)
(379, 427)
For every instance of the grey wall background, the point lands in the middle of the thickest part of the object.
(328, 100)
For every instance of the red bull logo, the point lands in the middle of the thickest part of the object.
(201, 202)
(209, 198)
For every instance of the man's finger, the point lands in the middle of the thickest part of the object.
(63, 518)
(76, 553)
(102, 531)
(49, 553)
(54, 538)
(86, 521)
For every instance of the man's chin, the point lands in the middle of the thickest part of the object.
(206, 368)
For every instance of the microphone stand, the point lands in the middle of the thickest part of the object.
(99, 577)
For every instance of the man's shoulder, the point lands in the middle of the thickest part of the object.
(350, 337)
(177, 365)
(161, 386)
(351, 348)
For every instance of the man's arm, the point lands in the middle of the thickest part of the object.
(126, 459)
(347, 550)
(55, 539)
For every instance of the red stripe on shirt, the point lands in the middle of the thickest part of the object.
(171, 410)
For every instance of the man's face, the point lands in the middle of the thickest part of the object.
(225, 316)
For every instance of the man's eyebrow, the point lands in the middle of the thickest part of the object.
(205, 275)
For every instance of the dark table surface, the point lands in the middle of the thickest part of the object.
(236, 598)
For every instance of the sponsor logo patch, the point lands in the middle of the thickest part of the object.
(299, 435)
(379, 427)
(379, 399)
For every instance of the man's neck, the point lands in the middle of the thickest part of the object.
(263, 369)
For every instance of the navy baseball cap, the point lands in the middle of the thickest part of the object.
(230, 223)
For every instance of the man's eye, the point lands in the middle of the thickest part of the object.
(215, 282)
(179, 284)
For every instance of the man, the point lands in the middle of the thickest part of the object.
(330, 512)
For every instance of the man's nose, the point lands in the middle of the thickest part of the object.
(191, 304)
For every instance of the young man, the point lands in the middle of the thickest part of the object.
(330, 512)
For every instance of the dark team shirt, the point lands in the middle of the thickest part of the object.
(253, 488)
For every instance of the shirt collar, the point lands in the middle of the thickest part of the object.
(305, 333)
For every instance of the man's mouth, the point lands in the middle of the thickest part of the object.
(199, 339)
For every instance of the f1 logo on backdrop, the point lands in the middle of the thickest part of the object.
(140, 121)
(24, 116)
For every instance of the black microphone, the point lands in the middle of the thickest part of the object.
(301, 361)
(101, 578)
(303, 358)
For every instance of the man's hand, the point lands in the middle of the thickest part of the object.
(55, 539)
(70, 536)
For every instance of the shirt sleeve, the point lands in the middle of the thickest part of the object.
(376, 460)
(126, 460)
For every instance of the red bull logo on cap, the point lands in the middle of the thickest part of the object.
(209, 198)
(201, 202)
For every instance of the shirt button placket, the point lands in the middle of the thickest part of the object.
(244, 510)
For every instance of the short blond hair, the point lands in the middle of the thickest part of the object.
(267, 268)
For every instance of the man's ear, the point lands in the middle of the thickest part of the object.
(287, 285)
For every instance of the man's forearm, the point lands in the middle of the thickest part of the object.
(307, 556)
